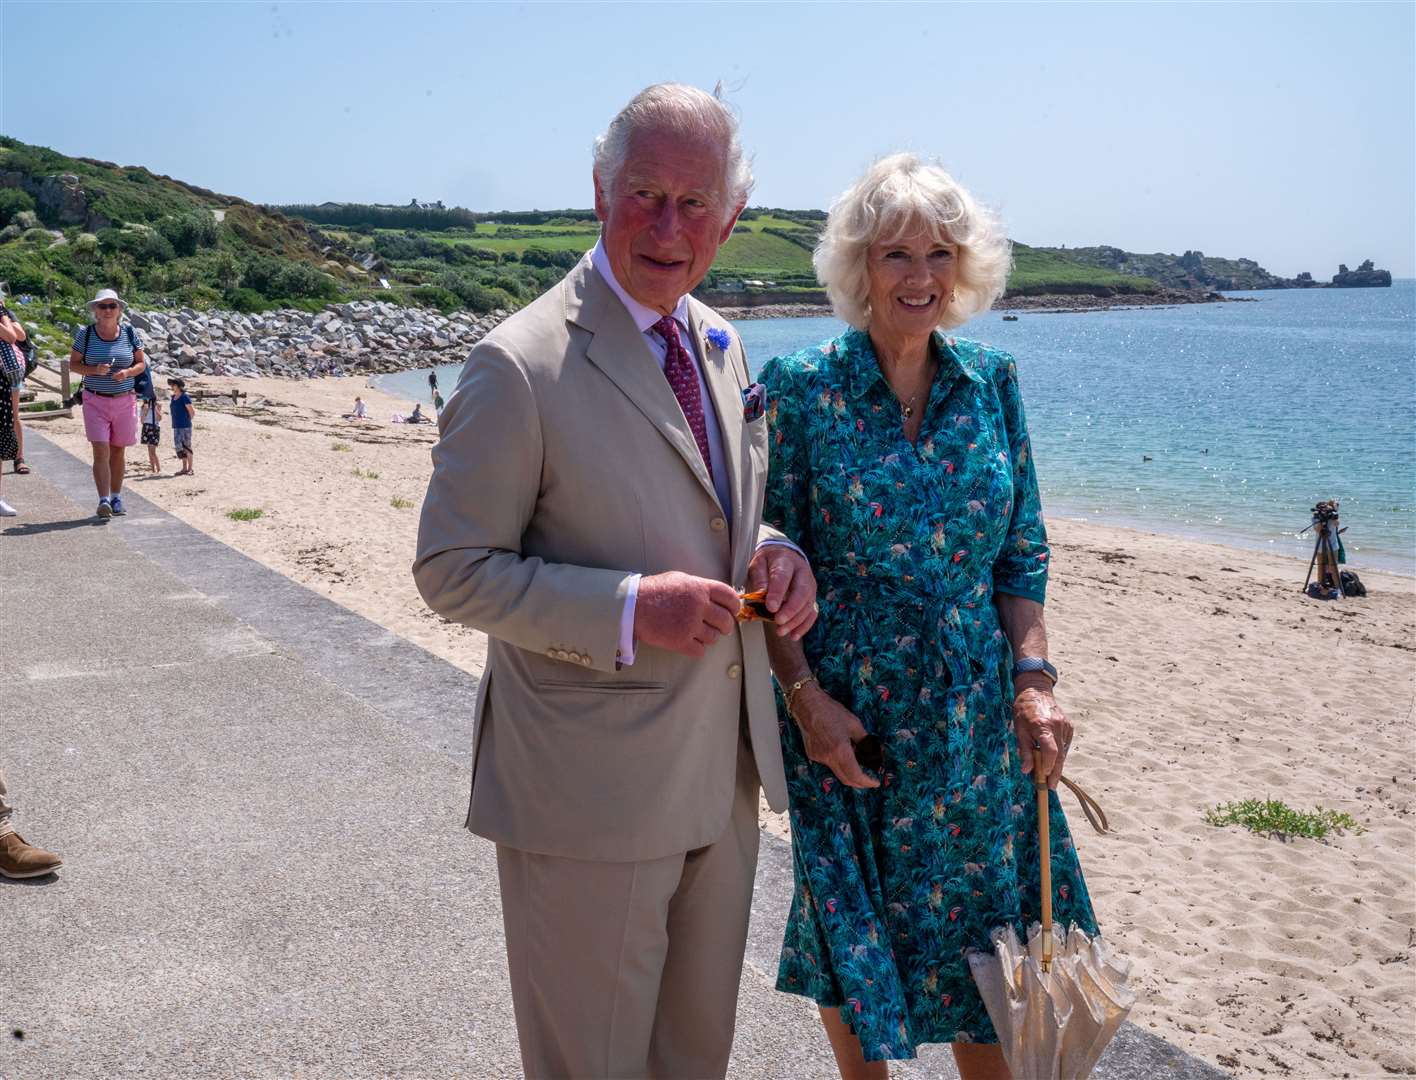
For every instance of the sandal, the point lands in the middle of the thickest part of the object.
(21, 467)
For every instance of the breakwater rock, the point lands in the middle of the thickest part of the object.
(362, 337)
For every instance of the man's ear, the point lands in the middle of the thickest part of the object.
(602, 198)
(732, 223)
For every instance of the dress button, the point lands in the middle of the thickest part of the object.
(734, 670)
(717, 524)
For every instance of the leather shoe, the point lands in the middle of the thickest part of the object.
(21, 860)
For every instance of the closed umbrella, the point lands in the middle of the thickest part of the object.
(1057, 1001)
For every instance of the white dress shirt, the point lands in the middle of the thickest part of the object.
(645, 318)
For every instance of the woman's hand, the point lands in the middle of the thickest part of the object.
(1043, 730)
(830, 731)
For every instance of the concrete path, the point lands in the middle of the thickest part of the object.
(259, 797)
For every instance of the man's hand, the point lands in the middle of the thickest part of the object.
(683, 613)
(790, 585)
(829, 732)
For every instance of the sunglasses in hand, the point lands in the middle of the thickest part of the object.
(870, 754)
(754, 607)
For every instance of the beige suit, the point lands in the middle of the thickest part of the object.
(565, 465)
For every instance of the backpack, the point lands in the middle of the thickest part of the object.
(24, 350)
(1352, 584)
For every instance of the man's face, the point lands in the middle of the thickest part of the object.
(665, 216)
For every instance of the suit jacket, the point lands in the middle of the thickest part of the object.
(564, 466)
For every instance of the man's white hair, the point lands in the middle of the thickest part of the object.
(683, 110)
(899, 197)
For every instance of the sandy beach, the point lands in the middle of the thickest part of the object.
(1196, 674)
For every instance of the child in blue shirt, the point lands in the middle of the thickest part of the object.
(182, 411)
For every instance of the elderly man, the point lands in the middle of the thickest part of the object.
(595, 507)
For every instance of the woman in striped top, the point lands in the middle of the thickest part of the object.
(109, 355)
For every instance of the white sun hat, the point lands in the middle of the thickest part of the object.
(106, 294)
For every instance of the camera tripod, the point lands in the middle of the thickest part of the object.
(1325, 548)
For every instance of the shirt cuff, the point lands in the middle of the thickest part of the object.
(784, 543)
(624, 655)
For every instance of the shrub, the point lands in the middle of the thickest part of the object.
(198, 296)
(535, 255)
(14, 201)
(1274, 818)
(276, 279)
(245, 513)
(435, 296)
(247, 301)
(188, 232)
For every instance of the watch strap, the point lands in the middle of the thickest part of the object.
(1029, 664)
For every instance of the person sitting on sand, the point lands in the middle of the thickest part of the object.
(359, 412)
(417, 417)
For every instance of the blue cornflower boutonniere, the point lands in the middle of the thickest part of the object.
(719, 338)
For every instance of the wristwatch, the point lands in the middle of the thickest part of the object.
(1035, 663)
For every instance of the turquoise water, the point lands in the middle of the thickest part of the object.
(1250, 413)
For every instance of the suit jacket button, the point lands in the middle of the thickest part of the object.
(585, 660)
(557, 654)
(717, 524)
(734, 670)
(573, 657)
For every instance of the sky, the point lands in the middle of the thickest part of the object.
(1285, 133)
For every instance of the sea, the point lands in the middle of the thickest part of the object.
(1218, 422)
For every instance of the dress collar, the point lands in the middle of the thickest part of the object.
(644, 317)
(863, 368)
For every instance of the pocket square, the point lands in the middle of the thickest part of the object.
(754, 402)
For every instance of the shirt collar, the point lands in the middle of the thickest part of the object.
(864, 367)
(644, 317)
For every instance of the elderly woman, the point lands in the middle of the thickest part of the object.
(923, 698)
(109, 355)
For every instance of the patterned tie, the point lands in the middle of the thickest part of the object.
(682, 374)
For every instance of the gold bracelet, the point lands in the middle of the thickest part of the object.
(792, 692)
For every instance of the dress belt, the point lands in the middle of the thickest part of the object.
(109, 393)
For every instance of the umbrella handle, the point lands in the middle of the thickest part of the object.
(1044, 847)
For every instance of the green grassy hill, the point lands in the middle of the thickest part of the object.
(71, 225)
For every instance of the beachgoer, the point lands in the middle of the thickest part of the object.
(594, 501)
(109, 355)
(182, 412)
(416, 416)
(12, 334)
(433, 381)
(152, 428)
(438, 403)
(932, 561)
(358, 412)
(12, 372)
(19, 859)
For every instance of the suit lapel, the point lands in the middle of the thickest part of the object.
(619, 350)
(725, 387)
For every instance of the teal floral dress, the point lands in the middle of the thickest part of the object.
(909, 544)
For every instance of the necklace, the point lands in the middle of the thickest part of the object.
(907, 407)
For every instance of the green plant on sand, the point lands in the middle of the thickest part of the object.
(341, 448)
(398, 502)
(1273, 818)
(245, 513)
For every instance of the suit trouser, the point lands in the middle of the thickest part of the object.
(632, 969)
(5, 809)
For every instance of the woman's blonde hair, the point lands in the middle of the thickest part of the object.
(902, 196)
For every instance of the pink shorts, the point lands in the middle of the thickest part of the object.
(111, 420)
